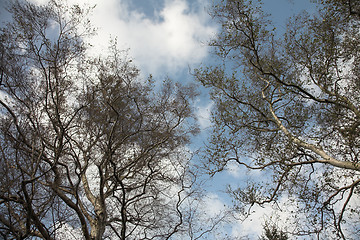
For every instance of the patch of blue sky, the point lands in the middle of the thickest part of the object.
(150, 8)
(281, 10)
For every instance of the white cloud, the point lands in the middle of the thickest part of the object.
(213, 206)
(203, 114)
(40, 2)
(169, 44)
(169, 41)
(234, 169)
(252, 226)
(172, 39)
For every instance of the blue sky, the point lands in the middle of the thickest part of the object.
(167, 38)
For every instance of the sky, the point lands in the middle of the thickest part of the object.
(168, 38)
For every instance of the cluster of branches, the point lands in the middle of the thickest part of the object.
(87, 149)
(290, 107)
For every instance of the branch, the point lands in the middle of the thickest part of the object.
(344, 206)
(327, 159)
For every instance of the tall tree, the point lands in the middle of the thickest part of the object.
(289, 107)
(88, 149)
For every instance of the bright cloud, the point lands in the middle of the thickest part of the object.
(168, 41)
(253, 225)
(234, 169)
(213, 206)
(203, 114)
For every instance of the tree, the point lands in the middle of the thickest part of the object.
(272, 232)
(88, 149)
(347, 7)
(289, 107)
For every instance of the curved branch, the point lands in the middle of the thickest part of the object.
(325, 158)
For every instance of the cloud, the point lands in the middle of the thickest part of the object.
(253, 225)
(203, 114)
(234, 169)
(170, 43)
(169, 40)
(40, 2)
(213, 205)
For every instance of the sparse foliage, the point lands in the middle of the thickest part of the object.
(290, 108)
(272, 232)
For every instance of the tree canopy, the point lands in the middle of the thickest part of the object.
(289, 107)
(88, 149)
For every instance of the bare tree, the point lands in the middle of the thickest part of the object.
(289, 107)
(88, 150)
